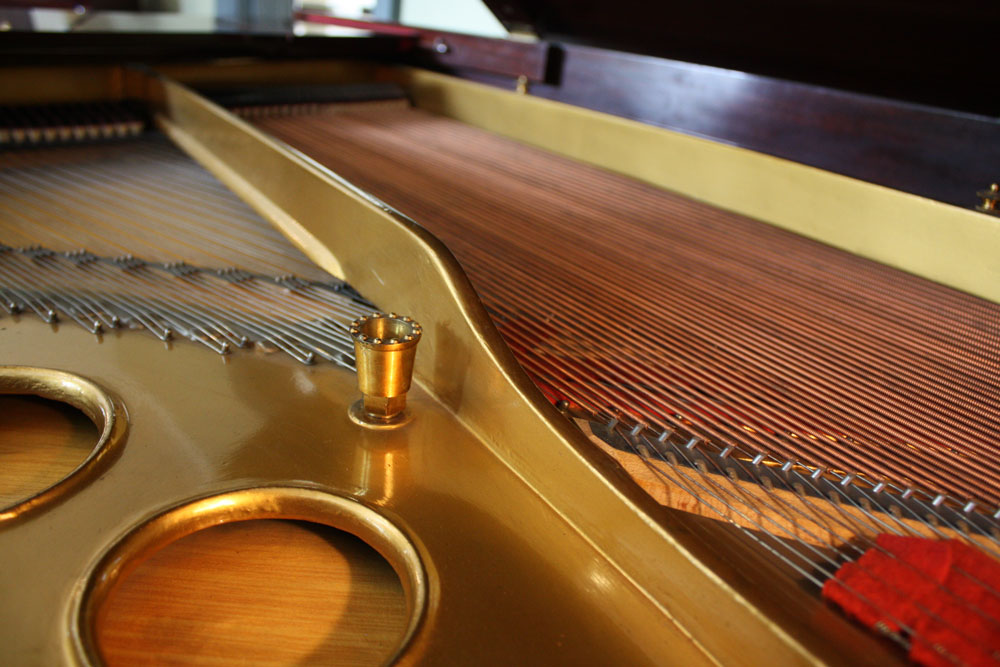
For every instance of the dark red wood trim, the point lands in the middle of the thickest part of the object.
(435, 48)
(375, 27)
(499, 56)
(39, 48)
(938, 52)
(931, 152)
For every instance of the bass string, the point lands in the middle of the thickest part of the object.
(547, 376)
(515, 160)
(712, 259)
(639, 302)
(681, 213)
(492, 240)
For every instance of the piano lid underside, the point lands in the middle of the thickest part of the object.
(636, 304)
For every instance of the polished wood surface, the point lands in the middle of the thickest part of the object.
(435, 48)
(932, 152)
(38, 48)
(41, 442)
(929, 51)
(256, 592)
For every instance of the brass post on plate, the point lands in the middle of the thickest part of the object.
(384, 348)
(990, 200)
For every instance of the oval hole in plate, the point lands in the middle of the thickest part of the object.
(200, 558)
(259, 591)
(24, 384)
(41, 442)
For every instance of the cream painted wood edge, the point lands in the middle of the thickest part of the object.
(947, 244)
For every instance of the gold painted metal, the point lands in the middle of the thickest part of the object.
(384, 348)
(679, 582)
(107, 413)
(499, 562)
(266, 502)
(534, 545)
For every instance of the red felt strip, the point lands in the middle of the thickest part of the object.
(942, 594)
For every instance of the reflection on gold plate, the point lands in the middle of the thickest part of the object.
(261, 592)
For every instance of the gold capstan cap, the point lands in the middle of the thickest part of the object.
(385, 345)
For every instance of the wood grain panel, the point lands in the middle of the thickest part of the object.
(41, 442)
(256, 592)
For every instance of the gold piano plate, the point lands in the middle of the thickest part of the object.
(204, 429)
(515, 537)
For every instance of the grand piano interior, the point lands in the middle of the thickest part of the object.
(707, 304)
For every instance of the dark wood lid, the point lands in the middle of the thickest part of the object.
(886, 47)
